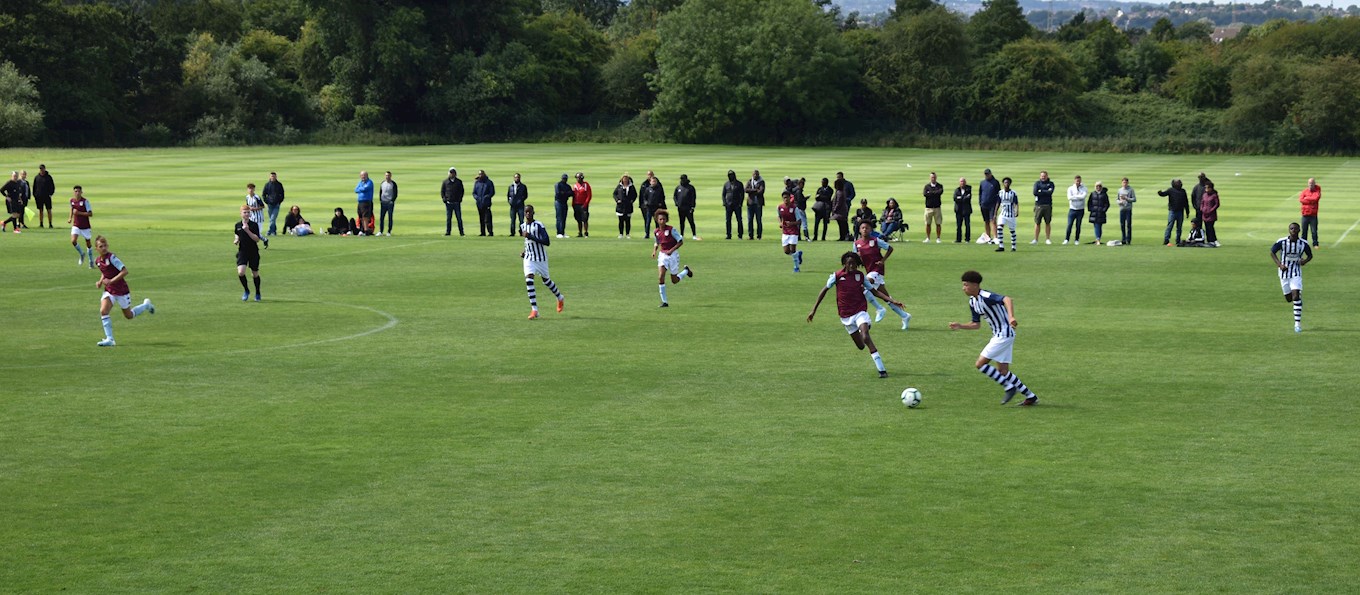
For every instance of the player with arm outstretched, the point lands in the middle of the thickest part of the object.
(113, 280)
(1290, 254)
(666, 251)
(535, 257)
(1000, 313)
(850, 284)
(874, 251)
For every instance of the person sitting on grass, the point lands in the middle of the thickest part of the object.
(295, 224)
(340, 226)
(1196, 239)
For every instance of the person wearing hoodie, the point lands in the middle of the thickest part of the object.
(685, 199)
(732, 193)
(483, 189)
(625, 194)
(1177, 207)
(652, 197)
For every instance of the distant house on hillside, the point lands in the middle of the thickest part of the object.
(1223, 33)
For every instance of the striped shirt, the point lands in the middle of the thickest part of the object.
(1010, 204)
(991, 305)
(535, 241)
(1290, 254)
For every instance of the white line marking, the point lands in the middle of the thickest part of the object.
(1343, 234)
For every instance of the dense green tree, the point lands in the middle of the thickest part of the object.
(909, 8)
(1163, 30)
(1328, 95)
(639, 16)
(1263, 87)
(627, 76)
(1029, 87)
(598, 12)
(572, 50)
(21, 120)
(1147, 63)
(997, 24)
(1097, 54)
(730, 70)
(919, 69)
(1201, 80)
(1196, 31)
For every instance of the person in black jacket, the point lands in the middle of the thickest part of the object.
(963, 212)
(732, 193)
(755, 203)
(1177, 207)
(1197, 195)
(653, 197)
(821, 209)
(273, 197)
(1043, 208)
(625, 194)
(1097, 204)
(516, 197)
(451, 192)
(43, 189)
(562, 198)
(685, 199)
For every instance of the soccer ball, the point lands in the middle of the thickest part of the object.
(911, 397)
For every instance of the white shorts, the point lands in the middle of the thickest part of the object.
(874, 280)
(999, 349)
(536, 267)
(670, 262)
(76, 231)
(122, 301)
(1288, 284)
(1005, 222)
(788, 240)
(852, 323)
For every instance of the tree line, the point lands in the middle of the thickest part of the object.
(215, 72)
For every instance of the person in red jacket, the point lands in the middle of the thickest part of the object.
(580, 204)
(1309, 198)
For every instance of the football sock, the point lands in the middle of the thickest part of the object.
(683, 274)
(108, 327)
(872, 302)
(257, 285)
(79, 251)
(663, 293)
(138, 309)
(878, 361)
(1010, 381)
(798, 258)
(552, 287)
(244, 285)
(898, 309)
(993, 373)
(533, 295)
(1298, 310)
(1012, 238)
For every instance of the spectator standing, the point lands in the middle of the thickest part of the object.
(387, 202)
(840, 211)
(363, 192)
(755, 202)
(516, 196)
(14, 204)
(273, 198)
(1043, 208)
(562, 198)
(1097, 205)
(732, 194)
(849, 188)
(821, 209)
(580, 204)
(1126, 198)
(1177, 207)
(1197, 195)
(624, 196)
(653, 197)
(686, 197)
(934, 193)
(1076, 209)
(989, 193)
(483, 189)
(800, 204)
(963, 212)
(25, 194)
(1308, 200)
(451, 192)
(44, 187)
(1208, 212)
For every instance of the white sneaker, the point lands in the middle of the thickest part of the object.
(151, 309)
(560, 236)
(1049, 242)
(106, 343)
(361, 234)
(937, 240)
(628, 236)
(1033, 242)
(620, 236)
(906, 320)
(1214, 243)
(1298, 329)
(879, 315)
(925, 241)
(1064, 242)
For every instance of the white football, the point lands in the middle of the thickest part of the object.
(911, 397)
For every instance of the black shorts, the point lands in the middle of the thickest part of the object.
(366, 210)
(248, 260)
(43, 202)
(581, 212)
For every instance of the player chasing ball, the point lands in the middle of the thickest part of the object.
(851, 286)
(1000, 313)
(80, 225)
(870, 249)
(1290, 254)
(667, 246)
(112, 279)
(788, 223)
(535, 257)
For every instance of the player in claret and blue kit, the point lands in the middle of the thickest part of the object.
(112, 279)
(1000, 313)
(1290, 254)
(851, 285)
(788, 223)
(871, 249)
(666, 251)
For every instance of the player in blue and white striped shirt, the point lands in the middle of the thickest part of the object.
(535, 257)
(1006, 214)
(1290, 254)
(1000, 313)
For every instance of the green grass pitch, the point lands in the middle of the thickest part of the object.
(388, 421)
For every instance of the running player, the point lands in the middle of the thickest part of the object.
(535, 257)
(667, 246)
(80, 225)
(870, 248)
(1000, 313)
(788, 223)
(1007, 212)
(247, 252)
(112, 279)
(1290, 254)
(851, 285)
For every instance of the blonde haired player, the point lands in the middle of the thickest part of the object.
(112, 279)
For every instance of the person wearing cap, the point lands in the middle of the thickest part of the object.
(483, 189)
(686, 197)
(989, 194)
(273, 197)
(580, 204)
(561, 196)
(732, 192)
(43, 189)
(451, 192)
(652, 196)
(755, 201)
